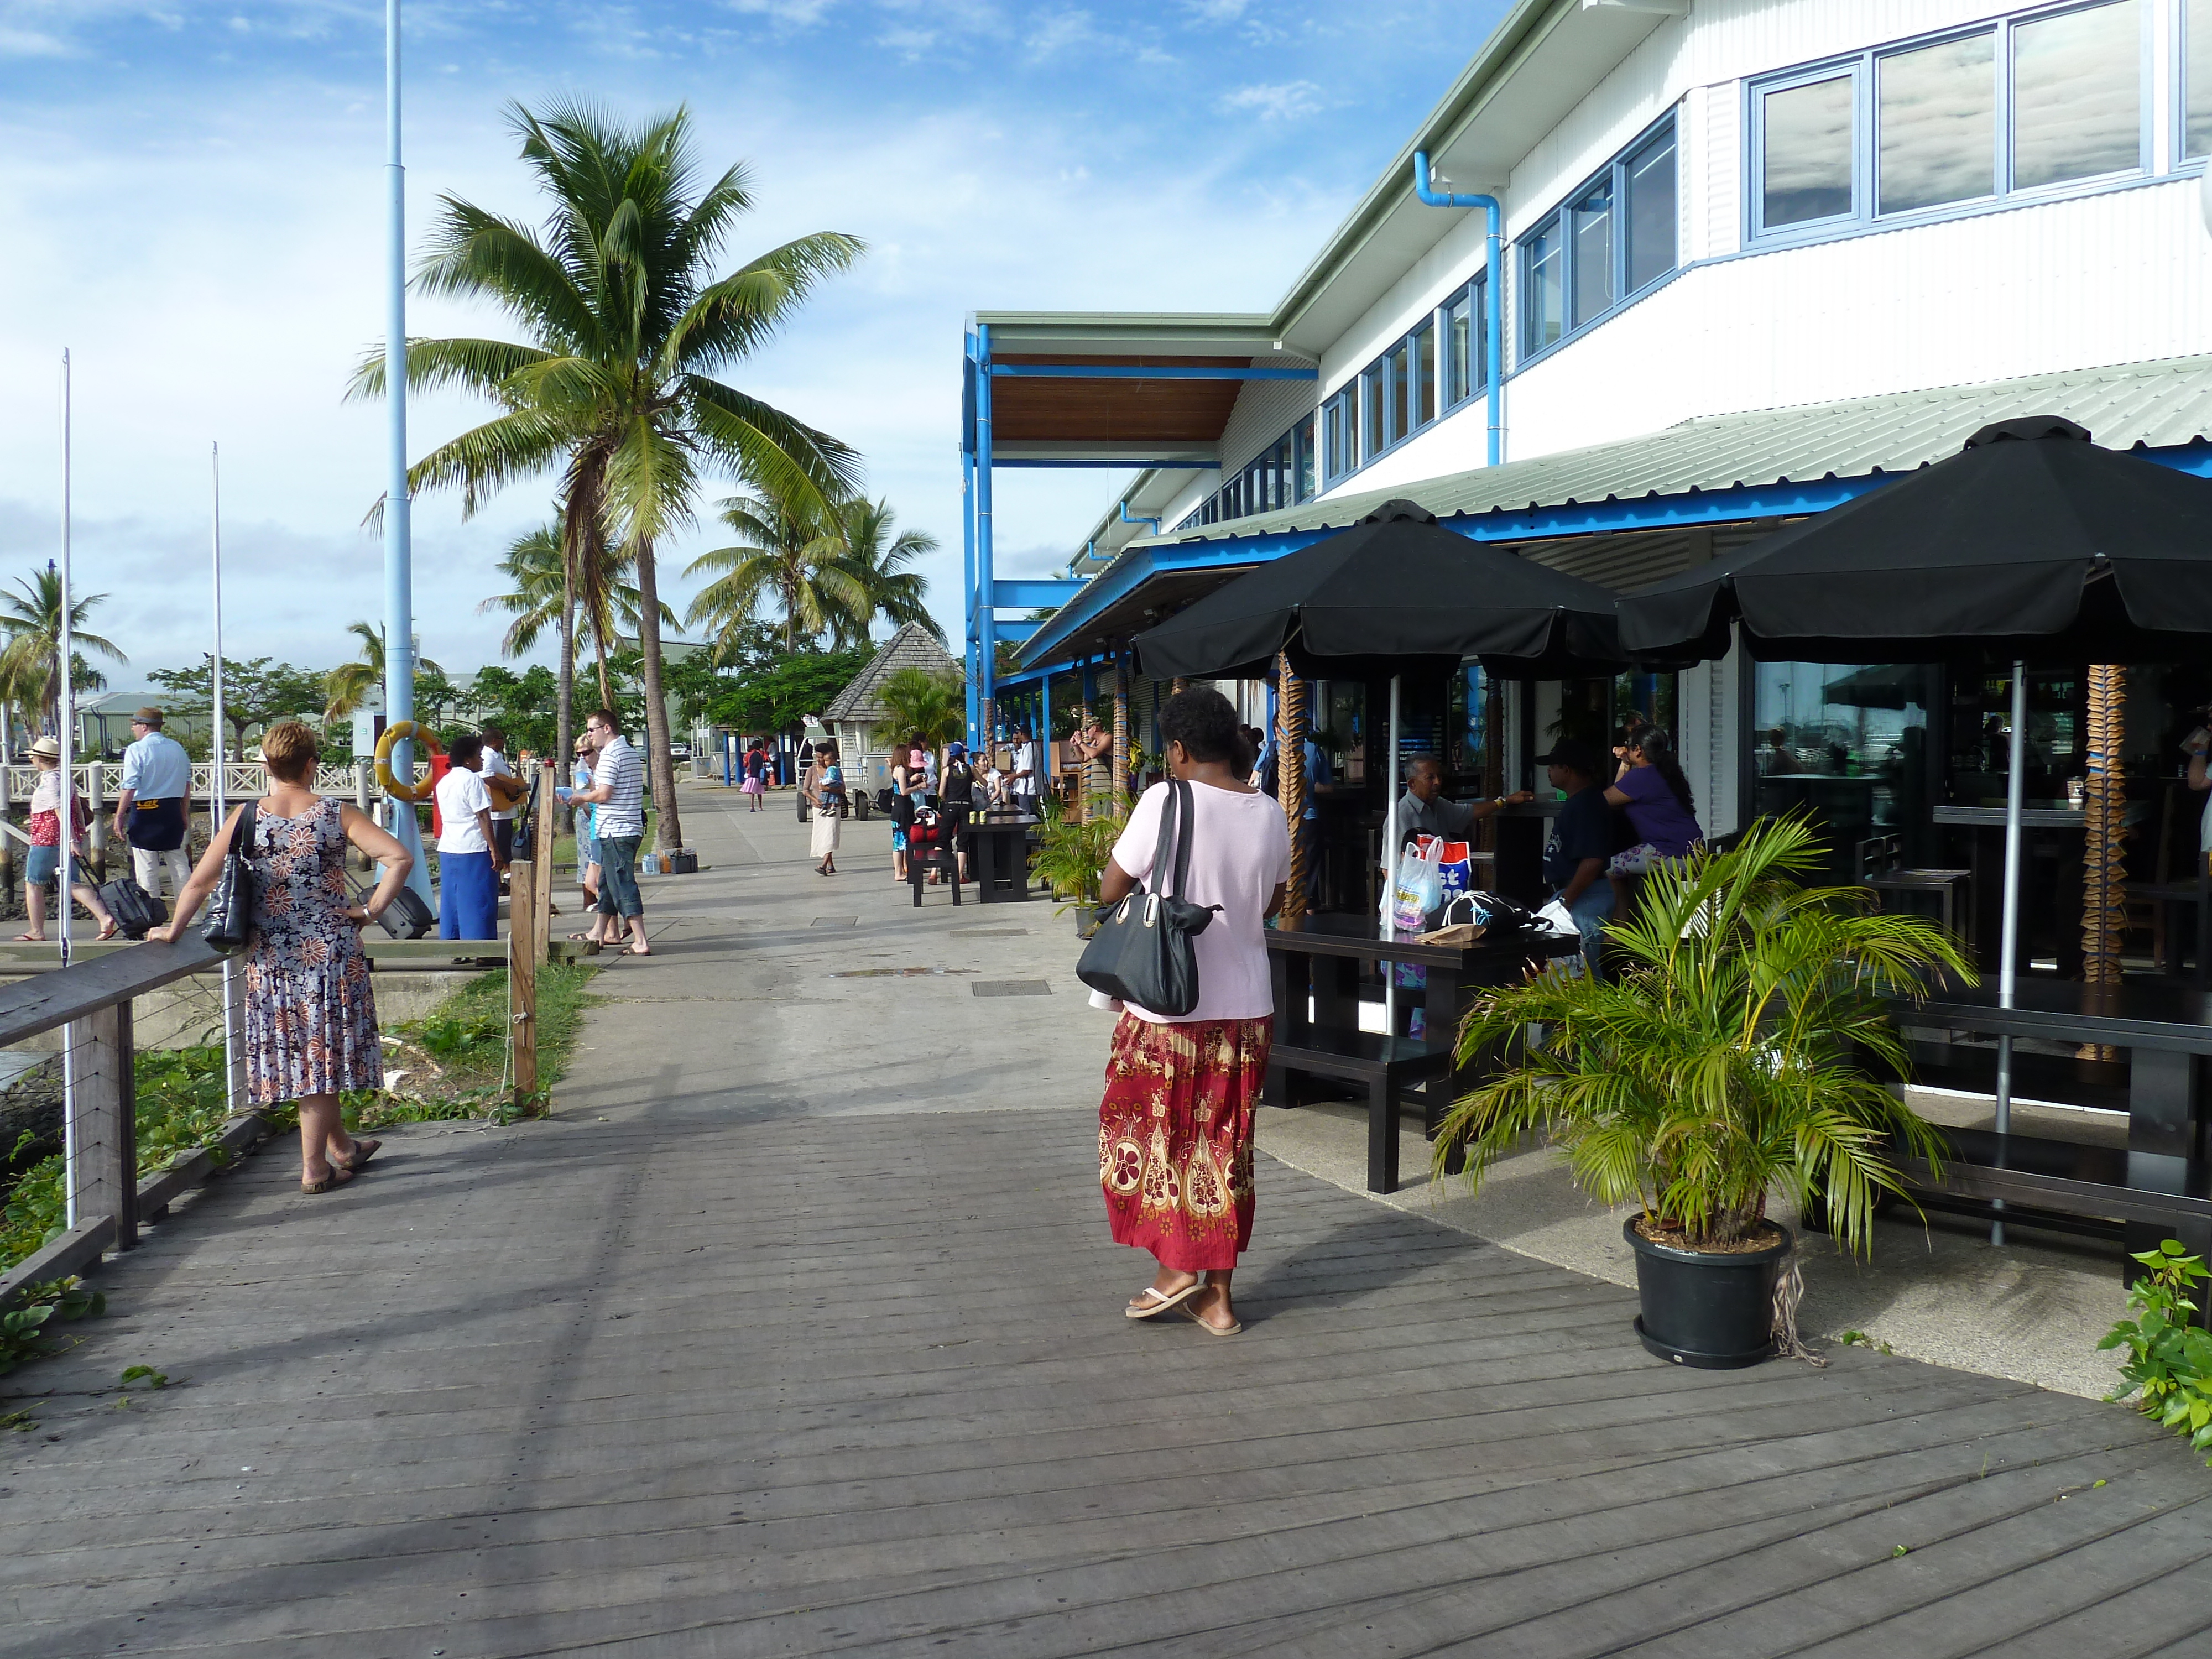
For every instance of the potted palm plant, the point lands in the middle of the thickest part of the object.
(1719, 1069)
(1071, 852)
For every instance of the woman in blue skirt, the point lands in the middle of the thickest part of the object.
(468, 864)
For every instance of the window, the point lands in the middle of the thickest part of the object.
(1466, 342)
(1423, 352)
(2038, 100)
(1807, 145)
(1371, 440)
(1336, 436)
(1615, 238)
(1399, 400)
(2197, 78)
(1282, 475)
(2077, 95)
(1936, 110)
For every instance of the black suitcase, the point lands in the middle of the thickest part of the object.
(134, 909)
(405, 917)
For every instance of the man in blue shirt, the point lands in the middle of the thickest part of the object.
(155, 805)
(1580, 844)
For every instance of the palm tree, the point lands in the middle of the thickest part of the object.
(605, 600)
(348, 686)
(878, 560)
(31, 618)
(627, 326)
(916, 700)
(785, 557)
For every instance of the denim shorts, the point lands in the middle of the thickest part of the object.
(39, 869)
(618, 894)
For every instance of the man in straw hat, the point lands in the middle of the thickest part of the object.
(155, 805)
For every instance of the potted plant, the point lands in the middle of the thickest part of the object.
(1716, 1069)
(1071, 852)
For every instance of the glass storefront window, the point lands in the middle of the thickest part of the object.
(1847, 743)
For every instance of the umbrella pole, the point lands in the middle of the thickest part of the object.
(1390, 868)
(2014, 778)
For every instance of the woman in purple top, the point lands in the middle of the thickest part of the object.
(1661, 809)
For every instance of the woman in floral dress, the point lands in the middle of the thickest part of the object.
(310, 1016)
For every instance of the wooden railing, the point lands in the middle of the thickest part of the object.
(92, 997)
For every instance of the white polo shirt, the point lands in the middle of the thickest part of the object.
(461, 796)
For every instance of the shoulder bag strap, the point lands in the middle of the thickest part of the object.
(1189, 830)
(241, 841)
(1164, 850)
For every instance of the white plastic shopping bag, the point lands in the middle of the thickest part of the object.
(1420, 887)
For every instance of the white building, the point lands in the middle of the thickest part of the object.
(1756, 255)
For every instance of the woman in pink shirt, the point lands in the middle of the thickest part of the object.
(1174, 1128)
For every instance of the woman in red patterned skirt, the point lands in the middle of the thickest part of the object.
(1174, 1130)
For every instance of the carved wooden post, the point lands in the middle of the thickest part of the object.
(1120, 732)
(1291, 776)
(2104, 833)
(104, 1121)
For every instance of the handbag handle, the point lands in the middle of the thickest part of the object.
(241, 843)
(1171, 854)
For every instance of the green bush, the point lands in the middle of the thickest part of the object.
(2169, 1358)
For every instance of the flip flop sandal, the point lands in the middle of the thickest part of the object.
(1163, 1300)
(363, 1151)
(339, 1177)
(1199, 1320)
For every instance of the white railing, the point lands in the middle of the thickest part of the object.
(99, 783)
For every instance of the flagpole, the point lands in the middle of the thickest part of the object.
(64, 707)
(398, 521)
(218, 795)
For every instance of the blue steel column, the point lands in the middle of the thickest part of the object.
(987, 625)
(973, 691)
(399, 528)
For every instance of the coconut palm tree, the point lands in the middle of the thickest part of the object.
(879, 560)
(603, 600)
(348, 686)
(627, 325)
(915, 700)
(785, 557)
(31, 620)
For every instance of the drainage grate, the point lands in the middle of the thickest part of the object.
(899, 972)
(834, 921)
(1011, 987)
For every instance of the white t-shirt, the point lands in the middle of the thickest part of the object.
(1240, 853)
(496, 766)
(461, 796)
(1024, 759)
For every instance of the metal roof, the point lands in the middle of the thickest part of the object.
(2159, 404)
(912, 646)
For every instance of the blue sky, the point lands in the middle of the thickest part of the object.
(193, 195)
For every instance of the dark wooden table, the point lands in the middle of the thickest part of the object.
(2167, 1032)
(1320, 957)
(999, 860)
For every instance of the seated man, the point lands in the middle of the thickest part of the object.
(1580, 844)
(1423, 811)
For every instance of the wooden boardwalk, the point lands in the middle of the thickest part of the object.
(740, 1356)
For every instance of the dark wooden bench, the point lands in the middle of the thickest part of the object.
(1383, 1065)
(2154, 1189)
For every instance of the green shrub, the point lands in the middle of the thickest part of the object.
(2169, 1358)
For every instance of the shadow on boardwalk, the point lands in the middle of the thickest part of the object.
(798, 1331)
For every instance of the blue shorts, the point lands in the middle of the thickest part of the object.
(40, 868)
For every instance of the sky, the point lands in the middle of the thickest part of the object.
(193, 196)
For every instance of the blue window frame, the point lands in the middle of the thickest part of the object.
(1281, 475)
(1613, 238)
(2048, 101)
(1466, 322)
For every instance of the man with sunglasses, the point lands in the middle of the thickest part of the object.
(618, 791)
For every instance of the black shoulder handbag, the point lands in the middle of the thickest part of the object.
(230, 907)
(1144, 950)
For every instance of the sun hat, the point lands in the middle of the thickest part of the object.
(148, 716)
(48, 749)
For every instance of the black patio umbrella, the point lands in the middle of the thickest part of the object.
(2032, 543)
(1395, 585)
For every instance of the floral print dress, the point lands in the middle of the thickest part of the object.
(310, 1015)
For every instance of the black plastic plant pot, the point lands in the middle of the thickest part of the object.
(1710, 1311)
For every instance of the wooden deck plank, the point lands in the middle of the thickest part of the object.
(724, 1361)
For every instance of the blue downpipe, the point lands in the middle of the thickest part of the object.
(1493, 261)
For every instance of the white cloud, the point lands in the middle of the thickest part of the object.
(1282, 100)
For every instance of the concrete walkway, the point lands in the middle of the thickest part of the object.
(797, 1330)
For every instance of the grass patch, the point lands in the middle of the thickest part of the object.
(450, 1064)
